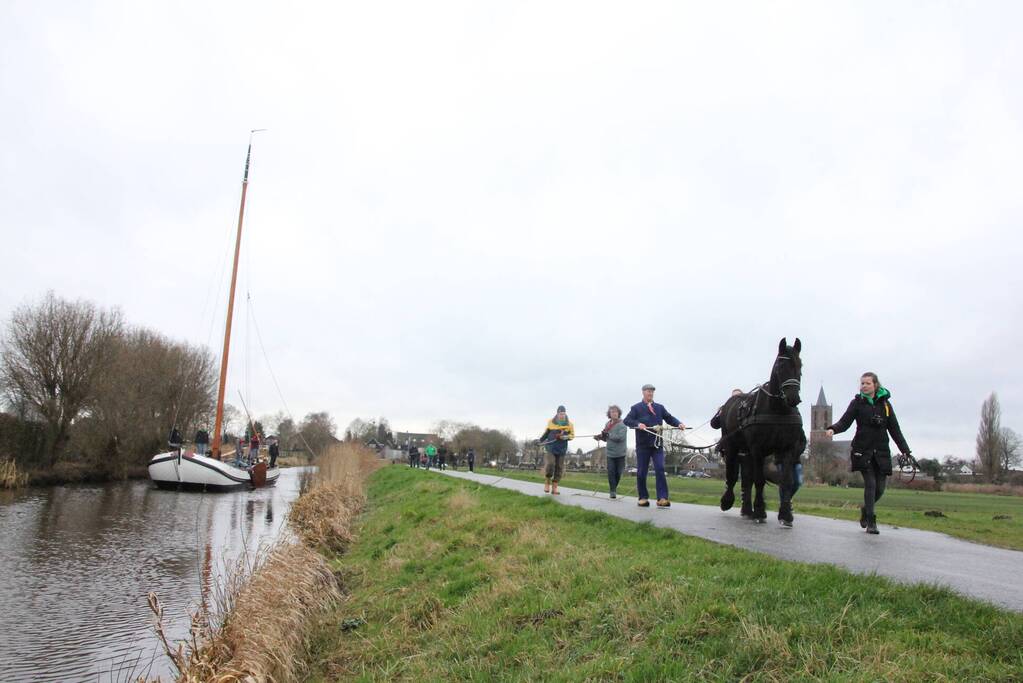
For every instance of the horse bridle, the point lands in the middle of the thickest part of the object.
(781, 388)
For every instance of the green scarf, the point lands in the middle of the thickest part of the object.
(878, 395)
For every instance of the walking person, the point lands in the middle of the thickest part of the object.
(202, 442)
(431, 456)
(643, 417)
(442, 454)
(555, 438)
(413, 456)
(614, 433)
(470, 457)
(872, 411)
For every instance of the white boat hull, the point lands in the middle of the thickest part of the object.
(193, 471)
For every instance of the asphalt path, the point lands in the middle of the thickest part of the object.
(906, 555)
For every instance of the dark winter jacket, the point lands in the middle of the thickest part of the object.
(875, 420)
(652, 415)
(202, 436)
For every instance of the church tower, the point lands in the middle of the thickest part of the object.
(820, 419)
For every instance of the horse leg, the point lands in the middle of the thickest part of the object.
(785, 488)
(746, 474)
(759, 507)
(731, 465)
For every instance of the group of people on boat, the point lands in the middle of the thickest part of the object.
(245, 455)
(870, 410)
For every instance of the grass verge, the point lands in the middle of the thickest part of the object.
(258, 626)
(451, 580)
(980, 517)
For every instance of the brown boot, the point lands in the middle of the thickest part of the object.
(643, 503)
(663, 503)
(554, 489)
(547, 486)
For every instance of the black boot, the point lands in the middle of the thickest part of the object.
(863, 517)
(785, 515)
(872, 525)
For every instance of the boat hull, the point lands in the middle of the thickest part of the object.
(191, 471)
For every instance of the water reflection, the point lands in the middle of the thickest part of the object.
(78, 562)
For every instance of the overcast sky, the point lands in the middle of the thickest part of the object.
(477, 211)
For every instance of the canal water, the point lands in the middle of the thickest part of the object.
(77, 562)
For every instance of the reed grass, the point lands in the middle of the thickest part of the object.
(10, 476)
(265, 611)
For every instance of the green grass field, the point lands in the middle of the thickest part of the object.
(450, 580)
(970, 516)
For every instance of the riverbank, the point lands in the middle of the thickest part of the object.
(258, 629)
(992, 519)
(451, 580)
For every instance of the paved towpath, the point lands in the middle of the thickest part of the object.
(906, 555)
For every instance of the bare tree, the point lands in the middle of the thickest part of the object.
(988, 438)
(317, 430)
(1008, 450)
(52, 354)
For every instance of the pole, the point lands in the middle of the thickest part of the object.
(219, 421)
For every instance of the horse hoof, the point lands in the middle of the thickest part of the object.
(727, 500)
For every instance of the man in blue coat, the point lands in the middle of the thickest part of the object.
(642, 417)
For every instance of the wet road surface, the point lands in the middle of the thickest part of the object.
(906, 555)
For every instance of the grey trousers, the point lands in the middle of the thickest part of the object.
(554, 466)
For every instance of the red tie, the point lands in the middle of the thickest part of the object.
(651, 407)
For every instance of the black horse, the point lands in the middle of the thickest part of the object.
(761, 423)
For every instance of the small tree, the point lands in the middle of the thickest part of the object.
(1008, 450)
(989, 436)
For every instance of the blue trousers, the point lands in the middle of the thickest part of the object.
(644, 455)
(797, 479)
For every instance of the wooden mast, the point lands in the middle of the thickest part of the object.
(219, 421)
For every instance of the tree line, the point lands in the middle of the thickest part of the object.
(457, 437)
(86, 393)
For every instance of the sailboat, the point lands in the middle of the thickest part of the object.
(179, 469)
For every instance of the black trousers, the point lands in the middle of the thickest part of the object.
(615, 469)
(874, 482)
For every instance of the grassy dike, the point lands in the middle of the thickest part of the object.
(980, 517)
(450, 580)
(257, 627)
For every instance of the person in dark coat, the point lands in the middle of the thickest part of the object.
(470, 457)
(174, 439)
(413, 456)
(275, 451)
(875, 419)
(202, 441)
(642, 417)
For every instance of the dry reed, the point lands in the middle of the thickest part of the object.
(10, 477)
(267, 611)
(996, 489)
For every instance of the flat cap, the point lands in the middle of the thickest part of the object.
(651, 387)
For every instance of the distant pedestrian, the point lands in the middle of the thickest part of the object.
(555, 438)
(202, 442)
(413, 456)
(431, 456)
(470, 457)
(872, 411)
(275, 451)
(615, 434)
(643, 417)
(442, 453)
